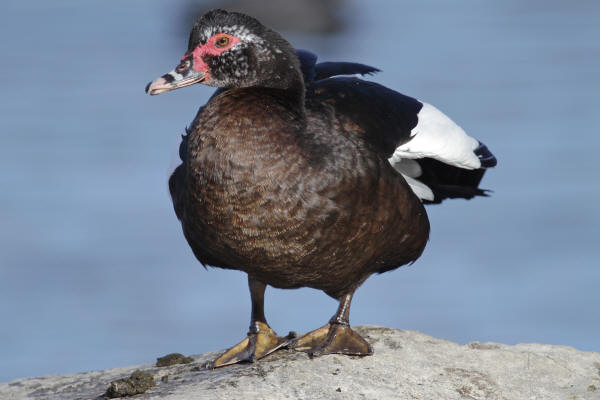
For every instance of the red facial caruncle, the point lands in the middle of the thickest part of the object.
(214, 46)
(192, 68)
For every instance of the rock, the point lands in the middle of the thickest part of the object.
(172, 359)
(406, 365)
(137, 383)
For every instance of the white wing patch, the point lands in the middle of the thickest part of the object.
(421, 190)
(410, 170)
(437, 136)
(407, 167)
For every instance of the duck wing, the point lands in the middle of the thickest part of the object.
(314, 71)
(435, 155)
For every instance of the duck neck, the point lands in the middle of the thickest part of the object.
(295, 94)
(287, 77)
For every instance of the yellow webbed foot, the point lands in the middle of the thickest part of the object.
(256, 346)
(333, 338)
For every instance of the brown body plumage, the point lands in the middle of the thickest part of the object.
(294, 198)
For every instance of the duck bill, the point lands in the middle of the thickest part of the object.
(183, 75)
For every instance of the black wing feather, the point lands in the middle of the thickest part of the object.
(385, 116)
(328, 69)
(316, 72)
(450, 182)
(307, 64)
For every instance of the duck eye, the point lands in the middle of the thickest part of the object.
(222, 41)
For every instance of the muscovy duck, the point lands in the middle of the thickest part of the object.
(303, 177)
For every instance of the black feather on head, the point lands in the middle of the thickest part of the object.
(262, 58)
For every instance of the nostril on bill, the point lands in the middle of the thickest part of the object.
(182, 67)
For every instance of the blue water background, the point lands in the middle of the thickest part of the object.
(94, 269)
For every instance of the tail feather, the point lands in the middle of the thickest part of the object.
(449, 182)
(485, 156)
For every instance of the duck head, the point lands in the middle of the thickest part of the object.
(229, 49)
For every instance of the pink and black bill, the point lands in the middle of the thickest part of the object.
(183, 75)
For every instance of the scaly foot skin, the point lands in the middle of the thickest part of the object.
(333, 338)
(257, 345)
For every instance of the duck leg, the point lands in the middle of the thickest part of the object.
(336, 337)
(261, 339)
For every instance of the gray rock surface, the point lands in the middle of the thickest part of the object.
(406, 365)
